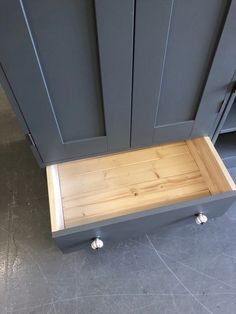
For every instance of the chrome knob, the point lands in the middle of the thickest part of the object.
(97, 244)
(201, 219)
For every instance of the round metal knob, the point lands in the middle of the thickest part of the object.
(201, 219)
(97, 244)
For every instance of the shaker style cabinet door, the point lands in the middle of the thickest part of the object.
(69, 65)
(184, 58)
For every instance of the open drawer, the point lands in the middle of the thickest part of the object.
(123, 194)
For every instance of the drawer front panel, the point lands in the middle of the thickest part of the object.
(131, 226)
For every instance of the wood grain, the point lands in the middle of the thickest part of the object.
(101, 188)
(211, 166)
(55, 201)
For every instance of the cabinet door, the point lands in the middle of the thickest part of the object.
(69, 64)
(176, 92)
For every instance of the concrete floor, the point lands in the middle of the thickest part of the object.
(179, 269)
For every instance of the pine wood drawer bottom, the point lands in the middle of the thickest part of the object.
(128, 193)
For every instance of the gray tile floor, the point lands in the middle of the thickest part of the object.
(179, 269)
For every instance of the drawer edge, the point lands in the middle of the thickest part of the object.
(138, 226)
(149, 212)
(211, 165)
(55, 202)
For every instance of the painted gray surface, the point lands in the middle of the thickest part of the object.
(230, 162)
(13, 103)
(226, 147)
(60, 74)
(225, 133)
(174, 46)
(173, 132)
(224, 108)
(79, 100)
(232, 172)
(134, 225)
(115, 23)
(230, 122)
(219, 79)
(182, 268)
(65, 38)
(227, 113)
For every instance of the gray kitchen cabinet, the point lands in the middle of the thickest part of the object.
(94, 77)
(183, 62)
(91, 77)
(69, 66)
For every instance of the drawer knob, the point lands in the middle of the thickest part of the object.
(97, 244)
(201, 219)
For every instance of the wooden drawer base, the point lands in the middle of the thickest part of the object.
(102, 191)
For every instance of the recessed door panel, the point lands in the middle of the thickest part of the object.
(65, 37)
(175, 43)
(58, 57)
